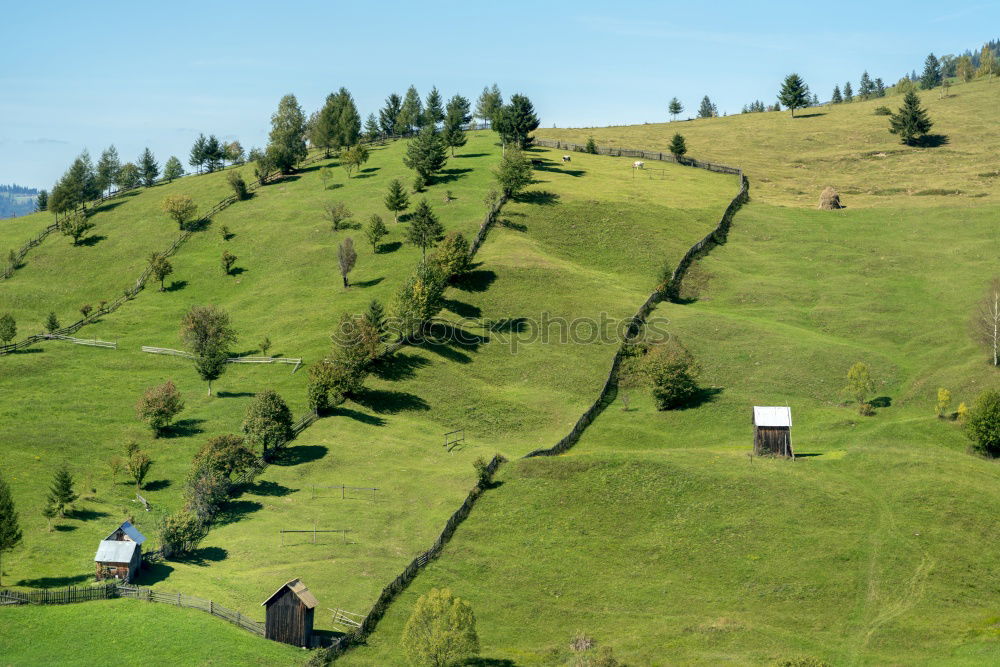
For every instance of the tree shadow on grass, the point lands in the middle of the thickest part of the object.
(268, 488)
(387, 402)
(450, 175)
(368, 283)
(109, 205)
(472, 155)
(702, 396)
(62, 528)
(507, 223)
(183, 428)
(576, 173)
(91, 240)
(153, 573)
(357, 415)
(236, 510)
(489, 662)
(475, 281)
(540, 197)
(462, 309)
(235, 394)
(400, 366)
(86, 515)
(931, 141)
(293, 456)
(176, 286)
(446, 351)
(445, 333)
(203, 556)
(386, 248)
(881, 402)
(157, 485)
(236, 270)
(811, 115)
(54, 582)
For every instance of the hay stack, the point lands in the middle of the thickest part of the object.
(829, 200)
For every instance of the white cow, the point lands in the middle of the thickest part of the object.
(638, 165)
(566, 158)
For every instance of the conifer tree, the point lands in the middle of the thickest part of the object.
(489, 103)
(911, 121)
(931, 78)
(172, 169)
(514, 122)
(675, 107)
(375, 231)
(848, 92)
(678, 146)
(108, 167)
(836, 98)
(456, 116)
(371, 128)
(61, 493)
(214, 153)
(52, 323)
(42, 200)
(375, 316)
(287, 139)
(410, 113)
(794, 93)
(197, 156)
(425, 229)
(879, 88)
(707, 109)
(396, 199)
(866, 89)
(148, 169)
(425, 154)
(10, 529)
(388, 114)
(433, 108)
(347, 125)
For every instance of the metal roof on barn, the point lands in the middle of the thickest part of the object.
(115, 551)
(130, 530)
(772, 416)
(300, 590)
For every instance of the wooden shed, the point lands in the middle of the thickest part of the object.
(119, 555)
(772, 431)
(288, 614)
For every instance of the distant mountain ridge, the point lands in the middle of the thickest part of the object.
(16, 200)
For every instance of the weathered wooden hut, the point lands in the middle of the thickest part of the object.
(288, 614)
(119, 555)
(772, 431)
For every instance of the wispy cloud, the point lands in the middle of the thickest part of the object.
(45, 140)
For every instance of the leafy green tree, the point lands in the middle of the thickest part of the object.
(8, 328)
(160, 267)
(931, 78)
(419, 299)
(375, 231)
(61, 494)
(198, 152)
(107, 170)
(989, 65)
(207, 334)
(943, 402)
(675, 108)
(10, 528)
(52, 323)
(794, 93)
(128, 177)
(848, 92)
(425, 154)
(964, 69)
(353, 158)
(287, 139)
(441, 631)
(75, 225)
(456, 116)
(410, 113)
(396, 199)
(325, 174)
(489, 104)
(172, 169)
(986, 320)
(338, 214)
(678, 146)
(227, 455)
(673, 374)
(860, 386)
(149, 170)
(388, 114)
(137, 464)
(515, 121)
(234, 152)
(911, 121)
(451, 257)
(706, 109)
(179, 207)
(180, 533)
(433, 108)
(159, 405)
(982, 424)
(513, 174)
(425, 229)
(268, 422)
(79, 184)
(238, 185)
(228, 259)
(347, 257)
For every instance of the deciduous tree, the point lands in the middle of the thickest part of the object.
(489, 104)
(986, 321)
(173, 169)
(982, 424)
(160, 268)
(860, 386)
(75, 224)
(268, 422)
(673, 374)
(287, 139)
(179, 207)
(513, 174)
(8, 328)
(207, 334)
(338, 214)
(347, 257)
(441, 631)
(159, 405)
(228, 259)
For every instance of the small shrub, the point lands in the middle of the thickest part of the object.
(180, 533)
(52, 323)
(943, 402)
(481, 467)
(962, 412)
(982, 424)
(866, 410)
(882, 111)
(238, 185)
(591, 146)
(673, 373)
(228, 259)
(159, 405)
(265, 345)
(225, 233)
(85, 310)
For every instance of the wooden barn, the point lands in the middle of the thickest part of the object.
(772, 431)
(289, 614)
(119, 555)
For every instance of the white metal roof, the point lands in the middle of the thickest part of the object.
(772, 416)
(115, 551)
(130, 530)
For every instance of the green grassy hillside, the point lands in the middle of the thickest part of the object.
(659, 537)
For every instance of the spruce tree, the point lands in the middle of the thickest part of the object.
(375, 231)
(52, 323)
(433, 108)
(515, 121)
(707, 109)
(375, 316)
(866, 88)
(61, 494)
(489, 103)
(10, 529)
(371, 128)
(197, 156)
(388, 114)
(931, 78)
(675, 107)
(410, 113)
(678, 146)
(836, 98)
(108, 167)
(794, 93)
(848, 92)
(425, 229)
(148, 169)
(425, 154)
(213, 153)
(42, 200)
(879, 88)
(396, 199)
(456, 116)
(911, 121)
(347, 125)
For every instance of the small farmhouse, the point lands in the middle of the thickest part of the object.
(772, 431)
(119, 555)
(289, 614)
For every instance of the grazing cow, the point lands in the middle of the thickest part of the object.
(566, 158)
(638, 165)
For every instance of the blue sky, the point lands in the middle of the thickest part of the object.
(85, 75)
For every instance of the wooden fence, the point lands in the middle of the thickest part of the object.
(635, 152)
(669, 291)
(60, 596)
(232, 360)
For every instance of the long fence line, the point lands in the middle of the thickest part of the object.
(668, 291)
(115, 590)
